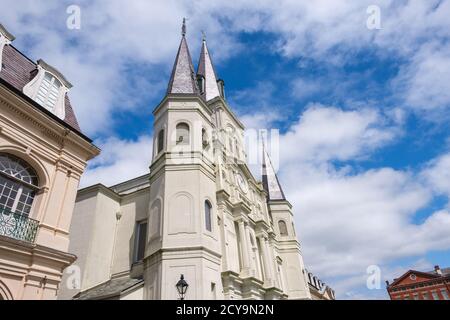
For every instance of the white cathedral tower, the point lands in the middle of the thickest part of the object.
(209, 218)
(199, 213)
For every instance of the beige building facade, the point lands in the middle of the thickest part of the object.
(42, 156)
(199, 212)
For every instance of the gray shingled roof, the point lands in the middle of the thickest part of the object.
(183, 79)
(109, 289)
(445, 271)
(18, 70)
(270, 180)
(206, 69)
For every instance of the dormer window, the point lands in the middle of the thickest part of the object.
(48, 93)
(48, 88)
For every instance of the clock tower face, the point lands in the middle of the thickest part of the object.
(242, 183)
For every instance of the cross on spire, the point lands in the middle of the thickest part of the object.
(182, 79)
(183, 28)
(206, 70)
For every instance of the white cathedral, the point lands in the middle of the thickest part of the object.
(199, 214)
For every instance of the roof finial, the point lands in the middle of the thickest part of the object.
(203, 35)
(183, 28)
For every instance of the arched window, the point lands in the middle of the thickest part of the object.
(48, 93)
(182, 134)
(208, 209)
(18, 184)
(5, 293)
(283, 228)
(160, 141)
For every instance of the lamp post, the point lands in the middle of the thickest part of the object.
(182, 287)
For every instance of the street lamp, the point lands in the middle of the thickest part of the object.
(182, 287)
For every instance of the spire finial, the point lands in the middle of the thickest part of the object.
(203, 35)
(183, 28)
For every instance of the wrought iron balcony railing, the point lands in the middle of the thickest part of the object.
(18, 226)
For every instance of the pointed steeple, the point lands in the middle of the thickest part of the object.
(206, 70)
(270, 180)
(183, 79)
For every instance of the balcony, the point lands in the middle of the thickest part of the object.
(17, 226)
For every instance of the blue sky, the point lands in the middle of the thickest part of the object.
(363, 114)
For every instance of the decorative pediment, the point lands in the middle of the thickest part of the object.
(413, 276)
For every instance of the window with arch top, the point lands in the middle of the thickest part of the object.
(208, 213)
(283, 228)
(182, 134)
(18, 184)
(160, 142)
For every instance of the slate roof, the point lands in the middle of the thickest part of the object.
(206, 69)
(18, 70)
(109, 289)
(183, 78)
(270, 180)
(445, 272)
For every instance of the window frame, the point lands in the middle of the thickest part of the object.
(54, 83)
(281, 221)
(138, 230)
(32, 88)
(25, 192)
(160, 141)
(435, 295)
(208, 216)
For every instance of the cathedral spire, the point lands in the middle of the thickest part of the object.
(205, 71)
(270, 180)
(182, 79)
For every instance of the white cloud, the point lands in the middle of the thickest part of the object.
(424, 83)
(437, 174)
(303, 88)
(113, 36)
(120, 160)
(329, 133)
(348, 222)
(115, 60)
(351, 218)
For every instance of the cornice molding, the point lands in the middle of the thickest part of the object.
(6, 33)
(56, 132)
(55, 72)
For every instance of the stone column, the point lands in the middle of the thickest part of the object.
(223, 235)
(258, 271)
(244, 247)
(274, 263)
(252, 263)
(268, 275)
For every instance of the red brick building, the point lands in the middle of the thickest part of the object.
(418, 285)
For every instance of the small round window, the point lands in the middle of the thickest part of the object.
(413, 277)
